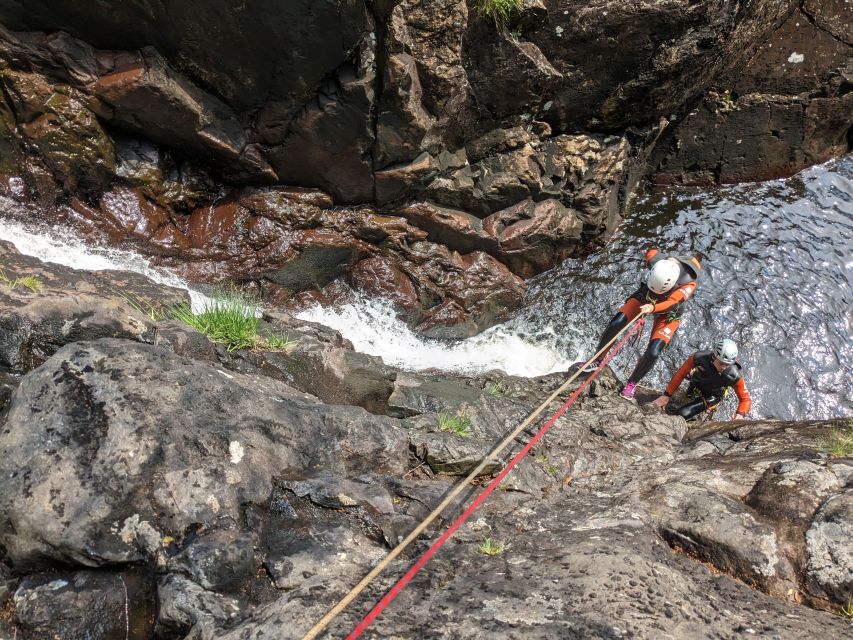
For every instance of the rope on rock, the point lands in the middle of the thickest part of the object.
(634, 325)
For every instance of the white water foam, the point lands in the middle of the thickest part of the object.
(59, 246)
(373, 328)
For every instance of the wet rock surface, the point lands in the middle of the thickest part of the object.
(247, 506)
(788, 107)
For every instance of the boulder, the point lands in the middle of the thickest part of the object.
(36, 323)
(829, 541)
(186, 609)
(63, 130)
(84, 605)
(118, 486)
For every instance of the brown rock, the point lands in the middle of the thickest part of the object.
(448, 321)
(378, 277)
(131, 212)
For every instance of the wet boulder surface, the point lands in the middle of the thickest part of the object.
(158, 487)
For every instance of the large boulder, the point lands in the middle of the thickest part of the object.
(147, 456)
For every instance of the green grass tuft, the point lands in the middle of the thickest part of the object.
(230, 319)
(847, 610)
(499, 10)
(457, 423)
(550, 468)
(150, 310)
(839, 442)
(33, 283)
(491, 548)
(496, 389)
(276, 342)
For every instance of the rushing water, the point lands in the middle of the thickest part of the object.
(778, 269)
(778, 260)
(60, 246)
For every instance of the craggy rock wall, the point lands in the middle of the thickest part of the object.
(788, 107)
(509, 148)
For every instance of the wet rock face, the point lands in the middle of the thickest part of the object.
(787, 108)
(523, 143)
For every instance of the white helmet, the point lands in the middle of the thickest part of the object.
(664, 275)
(725, 350)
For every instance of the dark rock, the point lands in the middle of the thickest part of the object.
(83, 606)
(222, 561)
(146, 97)
(329, 143)
(7, 584)
(510, 77)
(289, 53)
(788, 108)
(111, 458)
(64, 132)
(188, 610)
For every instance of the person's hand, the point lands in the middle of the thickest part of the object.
(661, 401)
(647, 308)
(739, 417)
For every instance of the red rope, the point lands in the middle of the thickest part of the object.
(394, 591)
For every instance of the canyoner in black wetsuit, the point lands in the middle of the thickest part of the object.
(670, 283)
(711, 373)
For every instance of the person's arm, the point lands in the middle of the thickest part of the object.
(650, 257)
(745, 403)
(676, 297)
(679, 376)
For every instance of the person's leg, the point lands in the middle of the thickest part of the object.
(662, 332)
(626, 313)
(691, 410)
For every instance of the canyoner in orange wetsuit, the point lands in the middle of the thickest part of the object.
(711, 373)
(670, 284)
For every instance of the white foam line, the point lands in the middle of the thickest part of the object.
(59, 246)
(373, 328)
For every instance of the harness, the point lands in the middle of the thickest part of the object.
(708, 383)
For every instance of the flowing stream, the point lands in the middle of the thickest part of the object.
(777, 278)
(778, 271)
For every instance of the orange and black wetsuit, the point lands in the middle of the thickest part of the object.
(708, 386)
(667, 311)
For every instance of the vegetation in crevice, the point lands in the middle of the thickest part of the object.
(457, 423)
(499, 10)
(229, 318)
(33, 283)
(839, 442)
(491, 547)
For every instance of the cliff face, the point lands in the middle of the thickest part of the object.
(157, 485)
(514, 146)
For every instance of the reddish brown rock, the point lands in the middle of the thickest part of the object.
(131, 212)
(379, 278)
